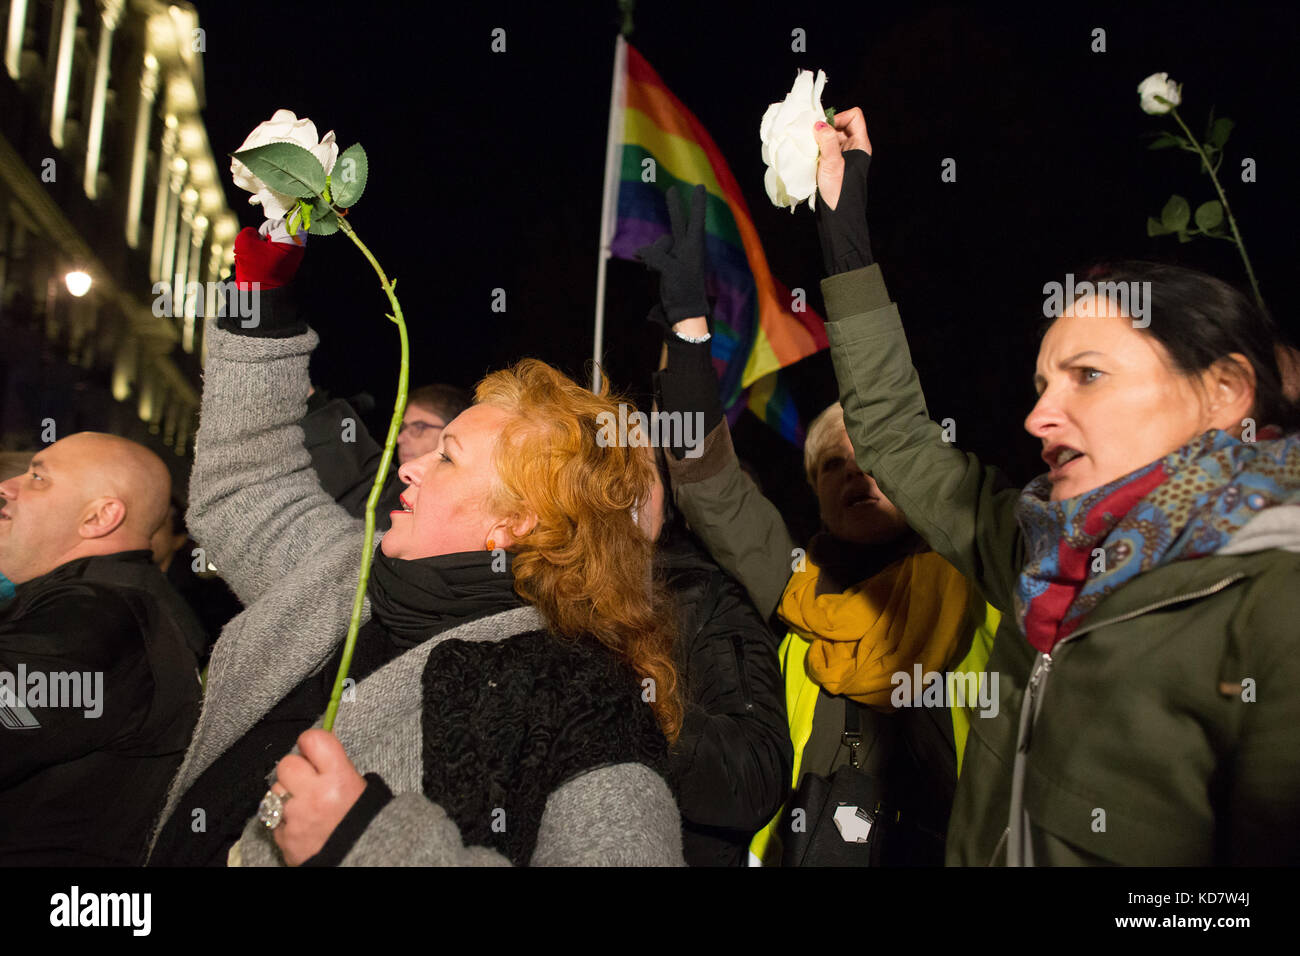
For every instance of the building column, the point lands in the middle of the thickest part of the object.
(14, 38)
(140, 150)
(63, 71)
(175, 183)
(211, 277)
(169, 422)
(163, 201)
(124, 366)
(95, 133)
(183, 421)
(189, 199)
(146, 389)
(193, 302)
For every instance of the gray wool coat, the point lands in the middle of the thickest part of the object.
(291, 554)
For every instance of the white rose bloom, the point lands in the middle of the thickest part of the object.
(1158, 84)
(283, 127)
(789, 147)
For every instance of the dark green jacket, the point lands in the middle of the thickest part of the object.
(1170, 732)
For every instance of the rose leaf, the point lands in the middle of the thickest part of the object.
(348, 178)
(1220, 131)
(285, 167)
(1209, 215)
(1176, 214)
(324, 220)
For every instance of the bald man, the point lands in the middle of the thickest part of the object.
(11, 463)
(98, 687)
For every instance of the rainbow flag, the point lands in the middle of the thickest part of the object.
(755, 331)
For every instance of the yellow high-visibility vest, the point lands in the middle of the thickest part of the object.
(801, 701)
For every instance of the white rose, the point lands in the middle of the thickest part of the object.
(283, 127)
(1158, 84)
(789, 147)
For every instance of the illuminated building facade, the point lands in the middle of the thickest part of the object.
(105, 169)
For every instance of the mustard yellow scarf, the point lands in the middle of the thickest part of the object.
(913, 610)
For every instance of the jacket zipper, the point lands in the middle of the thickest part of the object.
(1002, 841)
(1043, 665)
(1038, 679)
(739, 643)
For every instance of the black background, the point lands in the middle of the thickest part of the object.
(911, 909)
(486, 172)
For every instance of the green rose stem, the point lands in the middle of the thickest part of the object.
(394, 426)
(1227, 210)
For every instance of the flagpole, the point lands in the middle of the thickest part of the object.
(609, 199)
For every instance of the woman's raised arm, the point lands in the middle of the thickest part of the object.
(743, 531)
(965, 511)
(256, 504)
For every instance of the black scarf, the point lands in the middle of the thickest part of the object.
(846, 563)
(412, 600)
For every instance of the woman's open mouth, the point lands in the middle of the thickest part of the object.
(1059, 458)
(859, 498)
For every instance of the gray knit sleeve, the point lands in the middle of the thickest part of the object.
(622, 815)
(412, 831)
(256, 504)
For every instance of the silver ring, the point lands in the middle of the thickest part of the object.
(271, 810)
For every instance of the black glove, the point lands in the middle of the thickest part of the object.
(843, 230)
(680, 261)
(688, 383)
(265, 314)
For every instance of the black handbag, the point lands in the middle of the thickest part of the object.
(841, 820)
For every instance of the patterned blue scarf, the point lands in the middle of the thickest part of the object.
(1186, 505)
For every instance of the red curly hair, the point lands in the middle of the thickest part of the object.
(585, 565)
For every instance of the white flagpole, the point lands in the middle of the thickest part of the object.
(609, 201)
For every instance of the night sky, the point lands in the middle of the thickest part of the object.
(486, 171)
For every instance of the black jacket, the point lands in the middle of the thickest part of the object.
(346, 458)
(207, 595)
(731, 766)
(80, 785)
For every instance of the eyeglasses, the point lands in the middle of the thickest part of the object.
(418, 429)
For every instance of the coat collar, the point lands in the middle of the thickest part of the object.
(1164, 586)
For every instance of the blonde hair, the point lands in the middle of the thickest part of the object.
(822, 438)
(585, 565)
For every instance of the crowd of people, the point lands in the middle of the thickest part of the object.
(583, 652)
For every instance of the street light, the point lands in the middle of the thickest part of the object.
(78, 283)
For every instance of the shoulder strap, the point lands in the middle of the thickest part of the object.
(852, 729)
